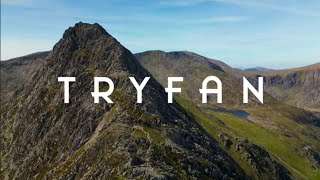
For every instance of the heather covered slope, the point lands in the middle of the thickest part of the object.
(41, 137)
(288, 135)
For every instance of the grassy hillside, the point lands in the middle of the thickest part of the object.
(283, 134)
(287, 149)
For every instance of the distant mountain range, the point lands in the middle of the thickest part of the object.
(43, 138)
(257, 69)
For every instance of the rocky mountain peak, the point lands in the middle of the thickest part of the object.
(47, 139)
(83, 34)
(91, 49)
(43, 138)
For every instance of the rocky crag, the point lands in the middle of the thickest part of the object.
(41, 137)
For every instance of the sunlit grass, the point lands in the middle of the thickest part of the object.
(285, 149)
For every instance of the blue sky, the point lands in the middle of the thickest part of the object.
(246, 33)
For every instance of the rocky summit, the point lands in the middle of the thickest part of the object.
(44, 138)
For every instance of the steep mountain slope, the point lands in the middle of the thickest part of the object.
(285, 133)
(280, 144)
(16, 72)
(194, 68)
(41, 137)
(299, 86)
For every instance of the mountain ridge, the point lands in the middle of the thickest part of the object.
(269, 74)
(45, 138)
(230, 121)
(158, 140)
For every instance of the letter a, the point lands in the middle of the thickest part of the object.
(204, 91)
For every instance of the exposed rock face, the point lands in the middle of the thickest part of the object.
(41, 137)
(315, 156)
(195, 68)
(258, 155)
(299, 87)
(16, 72)
(261, 162)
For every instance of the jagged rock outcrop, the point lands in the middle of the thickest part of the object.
(41, 137)
(299, 87)
(16, 72)
(260, 161)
